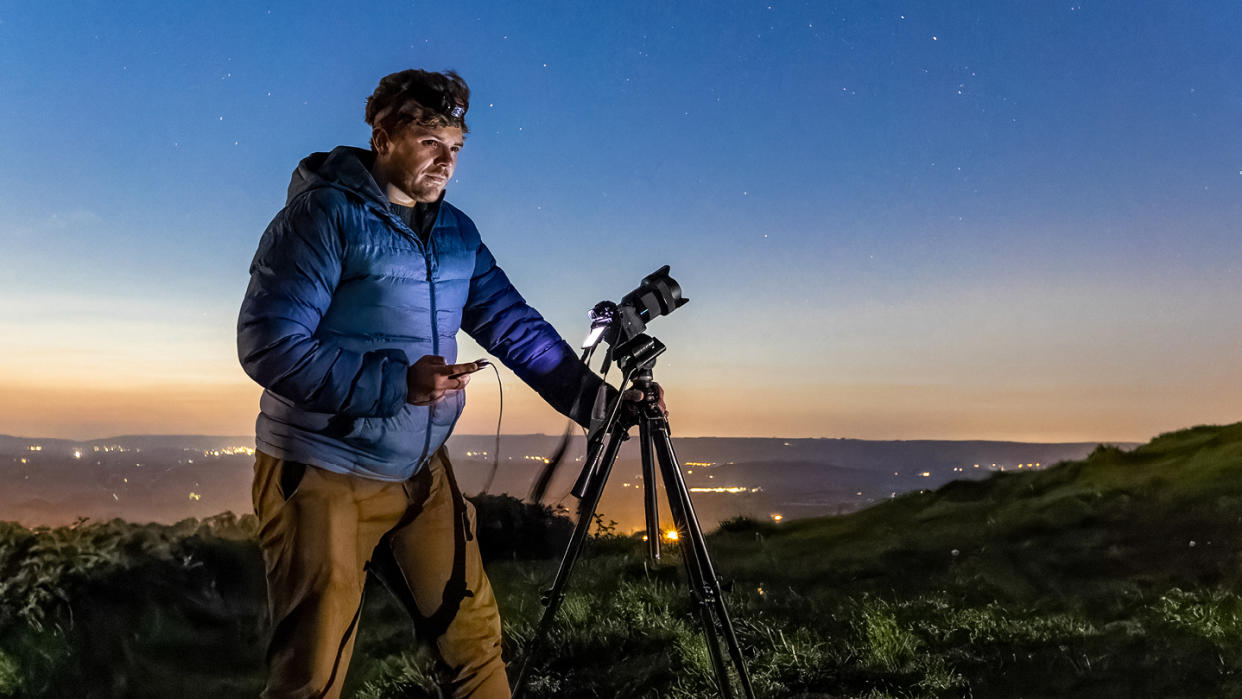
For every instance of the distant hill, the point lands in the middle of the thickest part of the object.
(1159, 508)
(763, 477)
(165, 478)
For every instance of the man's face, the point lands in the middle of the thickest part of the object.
(420, 160)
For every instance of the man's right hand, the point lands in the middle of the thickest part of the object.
(430, 379)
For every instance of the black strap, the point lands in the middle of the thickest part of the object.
(455, 589)
(385, 567)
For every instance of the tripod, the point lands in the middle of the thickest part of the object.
(706, 595)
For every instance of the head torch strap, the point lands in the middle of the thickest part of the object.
(410, 106)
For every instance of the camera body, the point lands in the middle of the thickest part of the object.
(622, 324)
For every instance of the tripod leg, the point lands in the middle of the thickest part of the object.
(650, 502)
(588, 472)
(698, 563)
(700, 591)
(586, 514)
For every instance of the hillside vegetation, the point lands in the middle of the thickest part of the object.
(1115, 576)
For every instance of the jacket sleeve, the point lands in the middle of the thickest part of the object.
(292, 280)
(499, 319)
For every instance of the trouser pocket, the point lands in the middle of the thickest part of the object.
(291, 473)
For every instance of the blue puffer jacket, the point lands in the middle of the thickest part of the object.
(344, 296)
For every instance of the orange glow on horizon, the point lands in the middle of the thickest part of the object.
(91, 413)
(1077, 414)
(230, 409)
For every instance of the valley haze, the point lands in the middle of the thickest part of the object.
(168, 478)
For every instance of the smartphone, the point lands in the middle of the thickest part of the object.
(478, 363)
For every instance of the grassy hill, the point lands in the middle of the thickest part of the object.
(1118, 575)
(1115, 576)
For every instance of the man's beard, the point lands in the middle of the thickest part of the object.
(423, 190)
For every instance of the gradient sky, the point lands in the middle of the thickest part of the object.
(1005, 220)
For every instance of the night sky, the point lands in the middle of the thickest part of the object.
(1005, 220)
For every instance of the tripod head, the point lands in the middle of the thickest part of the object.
(638, 353)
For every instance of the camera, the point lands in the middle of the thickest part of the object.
(620, 323)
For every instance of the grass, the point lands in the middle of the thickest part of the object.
(1115, 576)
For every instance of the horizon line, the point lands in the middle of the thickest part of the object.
(544, 434)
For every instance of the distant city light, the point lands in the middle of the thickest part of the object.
(195, 496)
(227, 451)
(671, 535)
(776, 517)
(77, 453)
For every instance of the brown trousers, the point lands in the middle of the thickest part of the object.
(320, 531)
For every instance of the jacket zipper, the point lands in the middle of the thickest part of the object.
(435, 330)
(431, 291)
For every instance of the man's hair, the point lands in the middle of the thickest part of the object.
(432, 100)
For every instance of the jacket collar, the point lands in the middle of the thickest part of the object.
(345, 167)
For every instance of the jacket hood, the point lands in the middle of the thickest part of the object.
(345, 167)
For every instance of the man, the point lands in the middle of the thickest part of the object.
(356, 294)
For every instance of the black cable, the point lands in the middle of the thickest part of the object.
(500, 413)
(540, 485)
